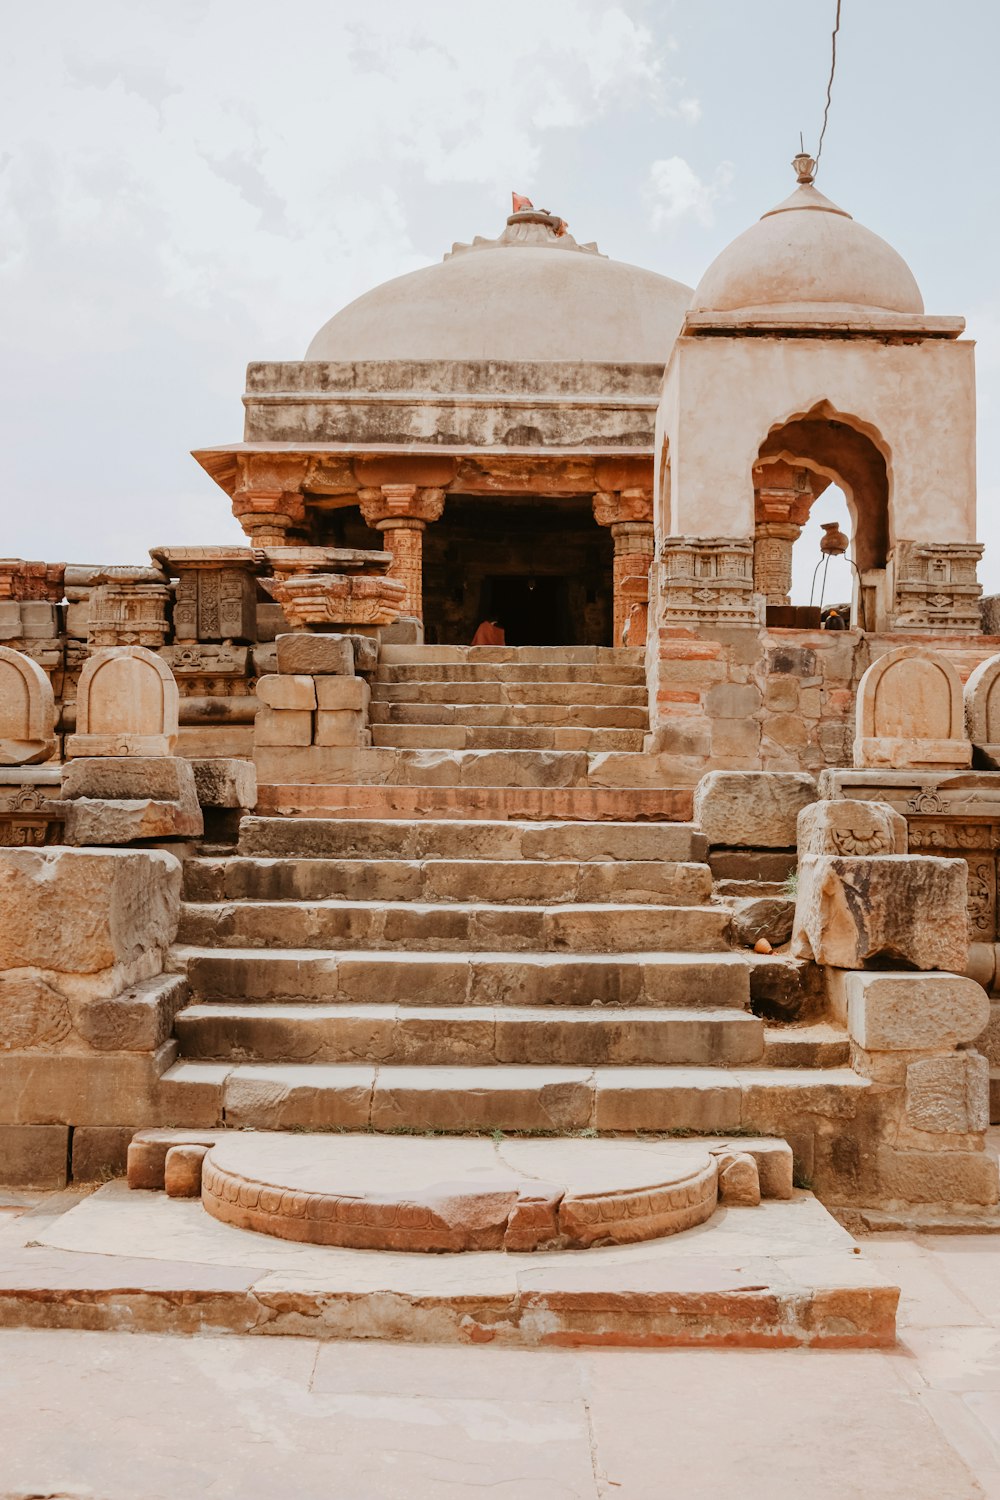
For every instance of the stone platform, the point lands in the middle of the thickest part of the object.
(780, 1275)
(441, 1193)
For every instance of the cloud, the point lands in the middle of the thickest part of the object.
(674, 191)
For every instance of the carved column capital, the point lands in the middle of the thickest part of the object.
(612, 507)
(395, 506)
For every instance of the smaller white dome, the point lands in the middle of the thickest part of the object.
(808, 252)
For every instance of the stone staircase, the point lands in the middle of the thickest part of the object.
(477, 975)
(507, 698)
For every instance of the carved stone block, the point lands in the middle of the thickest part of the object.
(910, 712)
(708, 580)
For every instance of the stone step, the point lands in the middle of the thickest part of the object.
(365, 1096)
(781, 1274)
(451, 838)
(351, 800)
(528, 882)
(516, 655)
(502, 715)
(453, 926)
(513, 672)
(498, 737)
(675, 980)
(469, 1035)
(512, 694)
(819, 1044)
(548, 769)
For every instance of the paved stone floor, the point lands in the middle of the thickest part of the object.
(143, 1416)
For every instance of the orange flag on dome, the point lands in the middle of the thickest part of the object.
(520, 204)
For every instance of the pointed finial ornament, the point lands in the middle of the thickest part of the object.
(805, 169)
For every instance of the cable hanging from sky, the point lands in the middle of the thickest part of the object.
(829, 86)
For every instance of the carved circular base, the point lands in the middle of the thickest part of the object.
(406, 1193)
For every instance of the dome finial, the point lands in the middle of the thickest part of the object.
(805, 169)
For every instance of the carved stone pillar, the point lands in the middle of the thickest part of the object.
(400, 512)
(772, 559)
(629, 514)
(783, 495)
(268, 501)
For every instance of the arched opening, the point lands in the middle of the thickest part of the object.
(820, 453)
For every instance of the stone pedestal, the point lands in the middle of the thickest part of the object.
(934, 588)
(128, 607)
(400, 512)
(216, 593)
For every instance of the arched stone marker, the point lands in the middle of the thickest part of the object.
(27, 711)
(126, 704)
(910, 713)
(982, 711)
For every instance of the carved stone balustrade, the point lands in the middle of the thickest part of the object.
(340, 587)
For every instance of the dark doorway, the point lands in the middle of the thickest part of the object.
(532, 611)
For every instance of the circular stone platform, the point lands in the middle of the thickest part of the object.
(458, 1193)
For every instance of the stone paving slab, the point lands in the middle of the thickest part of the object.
(780, 1275)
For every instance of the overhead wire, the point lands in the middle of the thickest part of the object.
(829, 86)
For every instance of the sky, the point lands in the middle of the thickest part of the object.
(188, 185)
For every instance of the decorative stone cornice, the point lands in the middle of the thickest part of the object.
(409, 506)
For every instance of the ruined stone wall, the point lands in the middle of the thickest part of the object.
(745, 698)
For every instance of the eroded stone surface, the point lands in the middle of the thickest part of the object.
(907, 1012)
(905, 907)
(752, 809)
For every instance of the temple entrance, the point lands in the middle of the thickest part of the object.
(542, 567)
(533, 611)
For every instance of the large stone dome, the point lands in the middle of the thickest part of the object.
(808, 253)
(532, 295)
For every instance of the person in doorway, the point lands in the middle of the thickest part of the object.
(490, 633)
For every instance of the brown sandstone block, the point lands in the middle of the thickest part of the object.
(314, 655)
(164, 778)
(100, 1151)
(182, 1170)
(289, 693)
(344, 729)
(911, 1012)
(139, 1019)
(937, 1176)
(225, 782)
(80, 911)
(281, 727)
(91, 823)
(33, 1156)
(343, 693)
(948, 1094)
(910, 908)
(752, 809)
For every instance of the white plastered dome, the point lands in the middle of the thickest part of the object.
(808, 253)
(532, 295)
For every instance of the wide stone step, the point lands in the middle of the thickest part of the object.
(682, 980)
(505, 716)
(451, 838)
(578, 804)
(517, 737)
(364, 1096)
(512, 694)
(469, 1036)
(517, 655)
(366, 879)
(472, 927)
(512, 672)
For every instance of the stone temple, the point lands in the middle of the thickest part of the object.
(488, 877)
